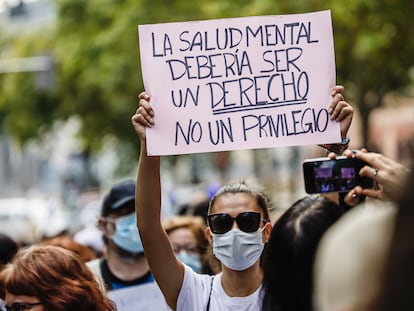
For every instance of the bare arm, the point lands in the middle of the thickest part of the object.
(167, 270)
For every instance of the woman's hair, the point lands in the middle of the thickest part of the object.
(68, 242)
(242, 187)
(57, 277)
(235, 188)
(195, 224)
(288, 261)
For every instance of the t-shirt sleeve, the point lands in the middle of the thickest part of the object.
(194, 292)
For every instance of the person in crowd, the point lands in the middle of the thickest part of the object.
(200, 206)
(124, 263)
(189, 241)
(68, 242)
(289, 256)
(8, 248)
(397, 284)
(88, 233)
(353, 254)
(238, 228)
(44, 278)
(350, 259)
(288, 264)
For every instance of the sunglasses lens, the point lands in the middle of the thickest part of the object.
(220, 223)
(248, 221)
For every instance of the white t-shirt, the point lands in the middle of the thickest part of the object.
(196, 290)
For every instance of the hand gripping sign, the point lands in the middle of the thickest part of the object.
(239, 83)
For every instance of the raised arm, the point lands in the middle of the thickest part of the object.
(167, 270)
(342, 112)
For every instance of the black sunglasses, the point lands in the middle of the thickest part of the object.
(21, 306)
(246, 221)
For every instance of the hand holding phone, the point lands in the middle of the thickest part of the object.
(323, 175)
(387, 173)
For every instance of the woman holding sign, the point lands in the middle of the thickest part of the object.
(238, 228)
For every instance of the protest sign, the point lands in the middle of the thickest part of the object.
(239, 83)
(146, 297)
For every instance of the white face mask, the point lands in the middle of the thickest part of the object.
(191, 260)
(238, 250)
(126, 234)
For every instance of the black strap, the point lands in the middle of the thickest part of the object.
(209, 296)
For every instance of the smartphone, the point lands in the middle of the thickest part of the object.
(324, 175)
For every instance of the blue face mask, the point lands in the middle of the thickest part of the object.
(126, 234)
(189, 259)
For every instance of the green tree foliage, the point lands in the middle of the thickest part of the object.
(26, 110)
(97, 66)
(374, 45)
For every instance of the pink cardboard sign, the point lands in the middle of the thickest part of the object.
(239, 83)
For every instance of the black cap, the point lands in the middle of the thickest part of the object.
(119, 195)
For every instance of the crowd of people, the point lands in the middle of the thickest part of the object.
(325, 252)
(282, 275)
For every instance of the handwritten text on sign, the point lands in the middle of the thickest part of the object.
(241, 83)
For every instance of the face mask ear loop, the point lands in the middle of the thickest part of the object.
(261, 230)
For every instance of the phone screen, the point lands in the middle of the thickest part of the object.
(324, 175)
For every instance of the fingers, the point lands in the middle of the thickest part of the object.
(143, 95)
(338, 89)
(352, 198)
(375, 160)
(337, 98)
(349, 153)
(332, 155)
(352, 153)
(144, 114)
(370, 172)
(377, 169)
(143, 118)
(388, 175)
(143, 101)
(374, 194)
(340, 109)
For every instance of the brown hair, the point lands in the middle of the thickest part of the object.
(69, 243)
(242, 187)
(197, 226)
(193, 223)
(57, 277)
